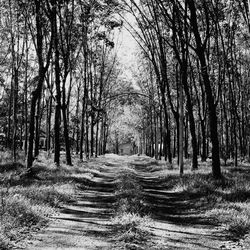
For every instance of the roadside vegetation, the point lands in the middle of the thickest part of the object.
(27, 204)
(225, 202)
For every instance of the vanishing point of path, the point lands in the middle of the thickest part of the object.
(177, 221)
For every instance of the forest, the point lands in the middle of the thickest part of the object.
(179, 104)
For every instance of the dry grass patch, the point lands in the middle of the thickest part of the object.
(131, 225)
(227, 201)
(26, 204)
(235, 217)
(133, 230)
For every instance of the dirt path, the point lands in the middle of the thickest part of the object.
(177, 220)
(84, 224)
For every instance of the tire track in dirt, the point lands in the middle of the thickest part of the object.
(178, 220)
(84, 224)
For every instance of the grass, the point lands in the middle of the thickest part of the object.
(235, 217)
(27, 204)
(227, 201)
(130, 221)
(132, 228)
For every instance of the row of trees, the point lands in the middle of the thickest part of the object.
(197, 53)
(58, 64)
(60, 75)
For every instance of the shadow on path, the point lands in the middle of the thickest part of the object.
(178, 221)
(178, 218)
(84, 224)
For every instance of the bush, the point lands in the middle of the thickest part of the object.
(132, 230)
(22, 211)
(22, 208)
(234, 216)
(50, 195)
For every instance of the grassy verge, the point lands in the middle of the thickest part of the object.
(130, 221)
(228, 200)
(27, 204)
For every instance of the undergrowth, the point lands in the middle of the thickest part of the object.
(228, 200)
(130, 221)
(27, 204)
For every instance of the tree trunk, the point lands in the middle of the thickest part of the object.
(82, 129)
(181, 128)
(96, 139)
(204, 141)
(65, 122)
(92, 116)
(37, 126)
(39, 79)
(216, 170)
(57, 122)
(35, 97)
(66, 136)
(14, 120)
(48, 123)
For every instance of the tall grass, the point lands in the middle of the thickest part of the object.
(130, 221)
(25, 204)
(228, 200)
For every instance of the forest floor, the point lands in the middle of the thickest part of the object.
(174, 219)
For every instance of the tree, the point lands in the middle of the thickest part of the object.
(43, 64)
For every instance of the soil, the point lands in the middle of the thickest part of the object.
(178, 221)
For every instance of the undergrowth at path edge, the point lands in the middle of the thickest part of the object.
(26, 204)
(228, 200)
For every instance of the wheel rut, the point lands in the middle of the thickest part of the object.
(178, 222)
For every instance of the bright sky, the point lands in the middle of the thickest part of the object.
(127, 51)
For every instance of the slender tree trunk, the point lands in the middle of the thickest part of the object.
(210, 97)
(77, 121)
(82, 128)
(37, 126)
(15, 100)
(39, 80)
(186, 153)
(191, 122)
(8, 138)
(92, 116)
(35, 97)
(87, 136)
(66, 136)
(161, 133)
(65, 123)
(181, 128)
(48, 123)
(156, 134)
(26, 97)
(167, 131)
(57, 122)
(204, 141)
(96, 139)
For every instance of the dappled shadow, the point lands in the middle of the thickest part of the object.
(180, 208)
(94, 206)
(177, 208)
(177, 216)
(86, 221)
(179, 219)
(6, 167)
